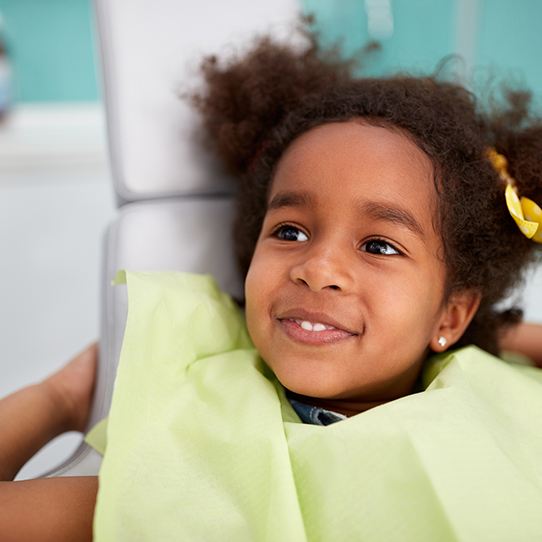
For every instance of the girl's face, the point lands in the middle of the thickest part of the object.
(345, 289)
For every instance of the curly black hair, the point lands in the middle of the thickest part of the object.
(256, 104)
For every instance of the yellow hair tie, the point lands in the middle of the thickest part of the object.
(526, 213)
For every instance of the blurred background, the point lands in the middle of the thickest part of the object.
(56, 196)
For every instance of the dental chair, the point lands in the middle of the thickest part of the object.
(175, 205)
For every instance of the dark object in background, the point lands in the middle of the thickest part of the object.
(5, 74)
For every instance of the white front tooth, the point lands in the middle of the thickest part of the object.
(318, 327)
(306, 325)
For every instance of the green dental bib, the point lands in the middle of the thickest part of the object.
(202, 444)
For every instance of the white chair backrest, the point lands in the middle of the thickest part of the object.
(151, 51)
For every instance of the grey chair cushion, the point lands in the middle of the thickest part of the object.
(177, 234)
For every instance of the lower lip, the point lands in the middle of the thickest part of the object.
(327, 336)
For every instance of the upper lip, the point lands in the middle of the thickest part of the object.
(303, 314)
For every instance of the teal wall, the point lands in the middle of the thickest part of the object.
(417, 43)
(52, 49)
(509, 41)
(499, 39)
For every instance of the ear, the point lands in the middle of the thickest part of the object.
(456, 315)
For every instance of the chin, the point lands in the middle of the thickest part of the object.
(310, 385)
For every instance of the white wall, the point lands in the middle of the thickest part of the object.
(55, 202)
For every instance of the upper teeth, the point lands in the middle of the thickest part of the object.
(313, 326)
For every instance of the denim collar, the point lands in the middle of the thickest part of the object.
(315, 415)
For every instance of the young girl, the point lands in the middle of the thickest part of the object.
(374, 231)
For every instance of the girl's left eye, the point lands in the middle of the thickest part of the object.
(287, 232)
(379, 246)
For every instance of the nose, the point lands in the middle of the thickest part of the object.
(323, 268)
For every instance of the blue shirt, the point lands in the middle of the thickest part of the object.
(315, 415)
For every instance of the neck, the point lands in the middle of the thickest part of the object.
(352, 406)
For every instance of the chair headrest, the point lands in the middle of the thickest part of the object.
(151, 51)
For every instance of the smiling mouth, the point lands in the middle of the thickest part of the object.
(312, 331)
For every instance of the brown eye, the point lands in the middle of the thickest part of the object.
(381, 247)
(287, 232)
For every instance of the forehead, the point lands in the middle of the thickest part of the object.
(353, 162)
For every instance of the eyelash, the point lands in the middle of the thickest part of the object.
(282, 227)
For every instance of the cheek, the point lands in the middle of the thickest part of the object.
(262, 277)
(255, 281)
(251, 295)
(258, 288)
(411, 307)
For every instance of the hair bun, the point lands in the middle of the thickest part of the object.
(246, 95)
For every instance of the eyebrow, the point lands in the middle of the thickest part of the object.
(290, 199)
(394, 214)
(378, 211)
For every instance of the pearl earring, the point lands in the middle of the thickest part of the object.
(442, 341)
